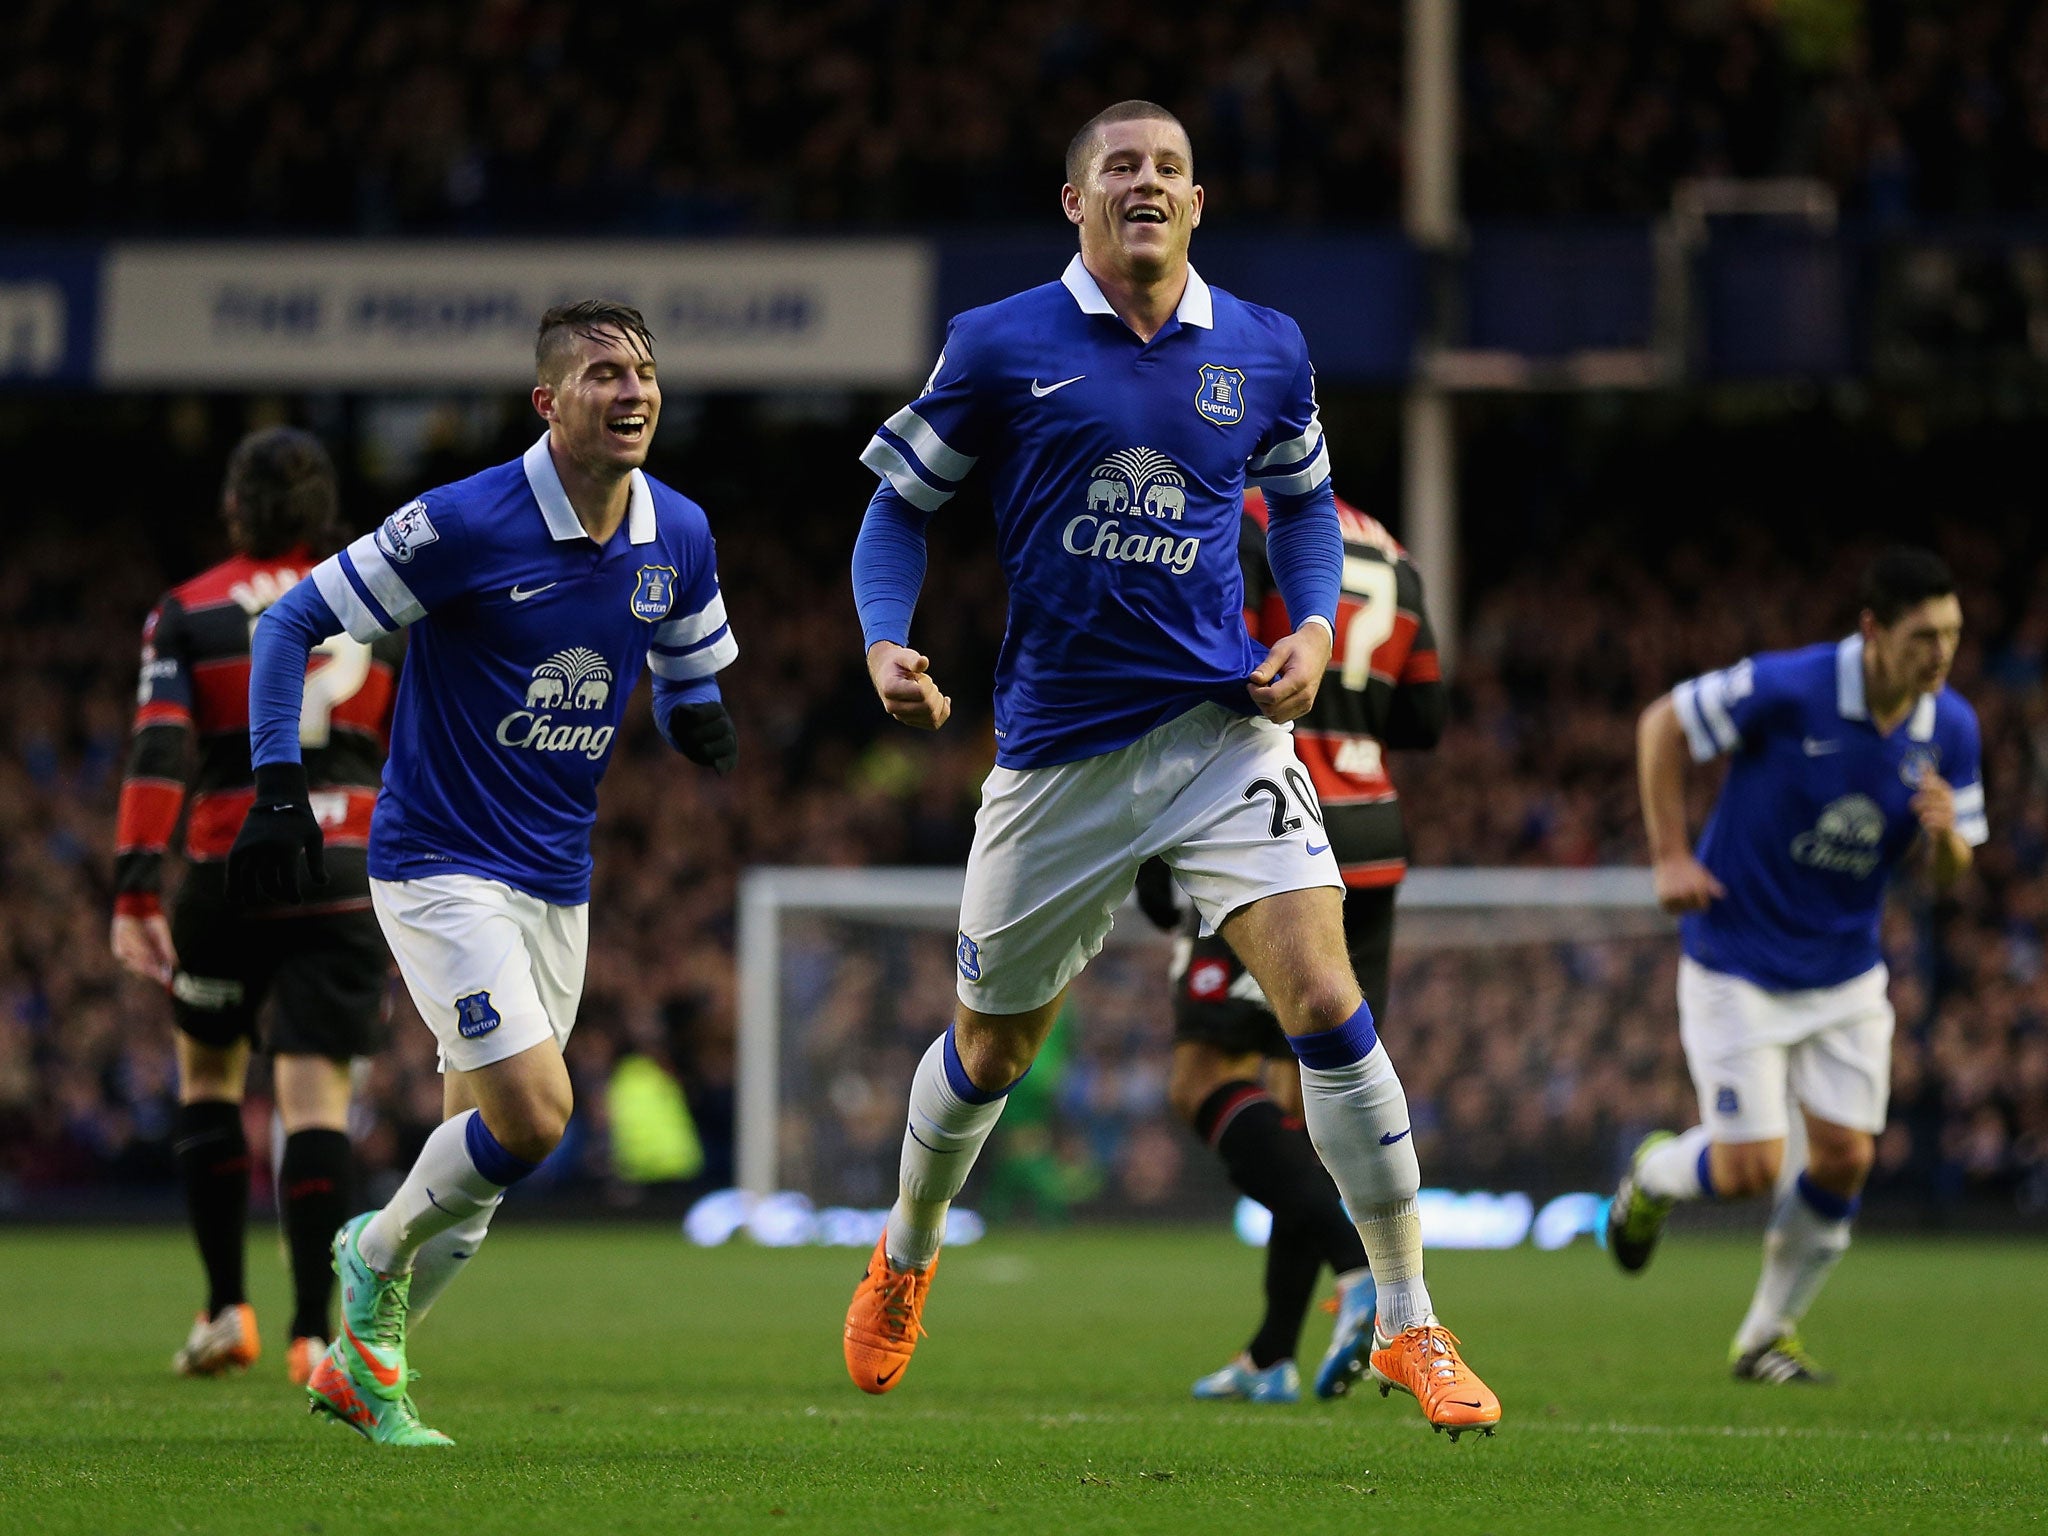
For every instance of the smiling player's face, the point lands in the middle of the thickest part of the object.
(605, 404)
(1138, 205)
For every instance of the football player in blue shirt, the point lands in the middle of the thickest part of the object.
(1116, 415)
(535, 592)
(1846, 759)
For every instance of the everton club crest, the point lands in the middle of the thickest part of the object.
(655, 592)
(475, 1016)
(1221, 397)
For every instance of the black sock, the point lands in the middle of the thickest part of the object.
(1270, 1158)
(1292, 1263)
(313, 1199)
(213, 1158)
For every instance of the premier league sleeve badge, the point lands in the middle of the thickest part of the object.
(655, 592)
(1221, 397)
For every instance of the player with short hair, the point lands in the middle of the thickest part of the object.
(322, 960)
(535, 592)
(1234, 1080)
(1116, 415)
(1845, 760)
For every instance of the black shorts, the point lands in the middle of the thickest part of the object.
(1204, 1012)
(329, 972)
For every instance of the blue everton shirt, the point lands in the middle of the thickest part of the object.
(1816, 811)
(1117, 468)
(527, 638)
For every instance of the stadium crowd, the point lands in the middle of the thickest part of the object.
(369, 116)
(1531, 1063)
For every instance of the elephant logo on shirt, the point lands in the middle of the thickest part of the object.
(1846, 839)
(575, 679)
(1138, 477)
(1109, 497)
(1130, 485)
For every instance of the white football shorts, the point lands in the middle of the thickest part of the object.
(1829, 1048)
(1056, 850)
(492, 970)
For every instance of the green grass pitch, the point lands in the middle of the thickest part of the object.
(604, 1379)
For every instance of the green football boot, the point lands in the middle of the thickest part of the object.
(363, 1380)
(1636, 1220)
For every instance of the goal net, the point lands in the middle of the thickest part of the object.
(1532, 1019)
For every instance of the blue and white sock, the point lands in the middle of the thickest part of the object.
(1808, 1234)
(1357, 1117)
(950, 1118)
(1678, 1169)
(460, 1172)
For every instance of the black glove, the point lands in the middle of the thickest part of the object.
(704, 734)
(1158, 898)
(264, 863)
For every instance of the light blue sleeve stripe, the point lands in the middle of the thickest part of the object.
(354, 611)
(1294, 450)
(1300, 483)
(939, 456)
(894, 468)
(695, 645)
(691, 628)
(699, 663)
(385, 584)
(1684, 700)
(1713, 702)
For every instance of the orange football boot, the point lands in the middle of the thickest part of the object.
(225, 1343)
(1424, 1363)
(884, 1322)
(304, 1354)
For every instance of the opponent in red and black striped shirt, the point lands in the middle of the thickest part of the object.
(323, 962)
(195, 686)
(1384, 688)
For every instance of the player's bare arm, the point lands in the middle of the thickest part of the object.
(903, 683)
(1684, 884)
(143, 946)
(1948, 855)
(1284, 685)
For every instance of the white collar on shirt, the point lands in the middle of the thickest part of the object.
(562, 523)
(1851, 704)
(1197, 307)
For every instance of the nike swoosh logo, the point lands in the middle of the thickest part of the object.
(1388, 1140)
(521, 594)
(1041, 391)
(883, 1381)
(1814, 748)
(1463, 1404)
(1313, 850)
(387, 1375)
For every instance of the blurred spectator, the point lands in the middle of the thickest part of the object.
(1528, 1061)
(375, 116)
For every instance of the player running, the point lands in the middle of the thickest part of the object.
(321, 959)
(1226, 1039)
(536, 592)
(1116, 415)
(1846, 759)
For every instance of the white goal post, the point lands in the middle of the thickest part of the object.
(1464, 906)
